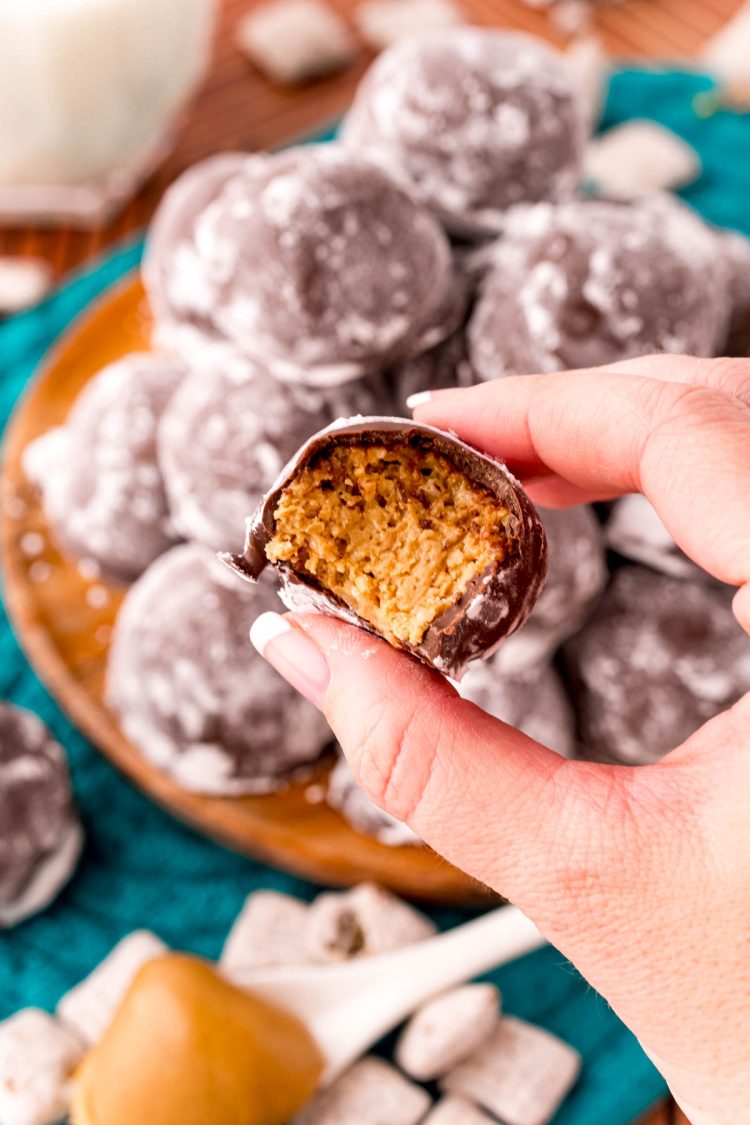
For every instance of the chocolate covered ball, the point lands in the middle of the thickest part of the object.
(189, 690)
(405, 531)
(471, 122)
(536, 705)
(40, 835)
(658, 659)
(101, 485)
(177, 264)
(313, 262)
(229, 431)
(593, 282)
(736, 247)
(576, 576)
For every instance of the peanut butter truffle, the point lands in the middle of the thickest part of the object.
(593, 282)
(471, 122)
(177, 264)
(190, 693)
(315, 263)
(101, 485)
(405, 531)
(658, 659)
(40, 835)
(229, 431)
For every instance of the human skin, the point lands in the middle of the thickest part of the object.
(640, 876)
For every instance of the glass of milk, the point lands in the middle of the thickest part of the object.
(90, 94)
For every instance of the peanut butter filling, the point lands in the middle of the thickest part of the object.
(397, 533)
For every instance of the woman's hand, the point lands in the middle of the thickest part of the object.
(640, 876)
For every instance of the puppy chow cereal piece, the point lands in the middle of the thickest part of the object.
(456, 1111)
(37, 1058)
(364, 921)
(638, 158)
(447, 1030)
(270, 930)
(372, 1092)
(293, 40)
(383, 22)
(89, 1007)
(521, 1074)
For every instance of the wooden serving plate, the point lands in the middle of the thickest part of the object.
(64, 623)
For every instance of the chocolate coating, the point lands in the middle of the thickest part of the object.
(228, 432)
(471, 122)
(737, 250)
(311, 261)
(592, 282)
(189, 690)
(101, 485)
(659, 658)
(493, 605)
(174, 271)
(40, 835)
(576, 576)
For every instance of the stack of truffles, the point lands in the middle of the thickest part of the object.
(442, 241)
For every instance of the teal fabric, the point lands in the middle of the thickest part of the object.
(142, 869)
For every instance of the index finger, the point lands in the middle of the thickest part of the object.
(686, 447)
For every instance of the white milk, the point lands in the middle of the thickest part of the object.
(89, 93)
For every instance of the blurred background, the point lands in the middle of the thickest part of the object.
(103, 105)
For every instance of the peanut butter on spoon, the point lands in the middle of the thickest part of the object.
(188, 1048)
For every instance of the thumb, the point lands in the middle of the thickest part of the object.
(512, 813)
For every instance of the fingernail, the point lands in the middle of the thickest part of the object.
(418, 399)
(293, 654)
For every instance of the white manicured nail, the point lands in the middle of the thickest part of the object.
(418, 399)
(267, 628)
(293, 654)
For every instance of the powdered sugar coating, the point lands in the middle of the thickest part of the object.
(471, 122)
(180, 291)
(189, 689)
(361, 812)
(312, 261)
(101, 486)
(229, 431)
(660, 657)
(536, 704)
(576, 576)
(38, 821)
(593, 282)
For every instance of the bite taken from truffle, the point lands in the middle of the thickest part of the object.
(228, 432)
(406, 531)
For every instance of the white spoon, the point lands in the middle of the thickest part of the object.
(350, 1006)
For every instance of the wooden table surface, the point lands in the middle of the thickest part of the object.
(238, 109)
